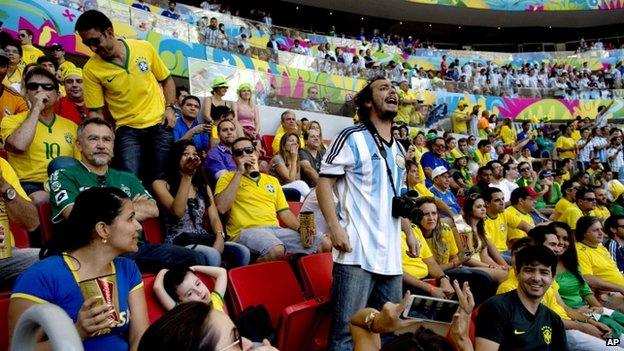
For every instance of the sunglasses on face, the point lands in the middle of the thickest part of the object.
(247, 150)
(590, 199)
(93, 41)
(524, 169)
(35, 86)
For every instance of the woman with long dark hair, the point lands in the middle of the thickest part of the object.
(574, 290)
(192, 219)
(103, 228)
(599, 269)
(476, 250)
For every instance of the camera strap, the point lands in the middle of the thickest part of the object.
(384, 154)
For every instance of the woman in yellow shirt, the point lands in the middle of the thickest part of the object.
(442, 243)
(507, 134)
(474, 246)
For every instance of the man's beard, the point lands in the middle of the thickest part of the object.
(388, 115)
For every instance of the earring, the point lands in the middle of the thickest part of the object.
(104, 241)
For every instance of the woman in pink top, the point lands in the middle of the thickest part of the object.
(247, 114)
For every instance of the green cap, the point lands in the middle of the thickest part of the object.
(243, 86)
(219, 82)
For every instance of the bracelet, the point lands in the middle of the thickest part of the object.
(222, 233)
(444, 276)
(369, 320)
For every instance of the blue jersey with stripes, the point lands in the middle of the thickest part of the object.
(364, 192)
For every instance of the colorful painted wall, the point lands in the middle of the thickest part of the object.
(528, 109)
(53, 23)
(530, 5)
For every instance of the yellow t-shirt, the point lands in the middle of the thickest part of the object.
(131, 92)
(415, 267)
(406, 112)
(508, 135)
(571, 215)
(11, 178)
(459, 125)
(601, 212)
(14, 80)
(30, 54)
(217, 301)
(564, 142)
(278, 137)
(482, 159)
(422, 190)
(561, 206)
(11, 102)
(565, 176)
(513, 216)
(597, 261)
(496, 231)
(451, 245)
(65, 66)
(550, 297)
(256, 203)
(49, 142)
(576, 135)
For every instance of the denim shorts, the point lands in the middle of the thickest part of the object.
(260, 240)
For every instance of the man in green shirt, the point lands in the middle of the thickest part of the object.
(95, 143)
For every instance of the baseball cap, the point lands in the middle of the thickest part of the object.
(57, 47)
(546, 174)
(219, 82)
(531, 192)
(438, 171)
(462, 103)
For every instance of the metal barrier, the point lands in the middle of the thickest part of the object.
(56, 324)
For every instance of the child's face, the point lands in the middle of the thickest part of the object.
(193, 289)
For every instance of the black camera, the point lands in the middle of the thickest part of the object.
(403, 206)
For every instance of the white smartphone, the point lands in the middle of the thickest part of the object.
(430, 309)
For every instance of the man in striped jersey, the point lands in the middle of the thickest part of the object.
(364, 167)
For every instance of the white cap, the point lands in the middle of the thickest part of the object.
(438, 171)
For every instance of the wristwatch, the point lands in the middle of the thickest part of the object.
(170, 105)
(9, 194)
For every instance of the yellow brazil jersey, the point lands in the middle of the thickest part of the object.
(406, 111)
(30, 54)
(256, 203)
(11, 102)
(601, 212)
(459, 122)
(571, 215)
(131, 91)
(561, 206)
(482, 159)
(550, 297)
(278, 137)
(508, 135)
(50, 141)
(576, 135)
(513, 216)
(415, 267)
(566, 143)
(14, 80)
(63, 67)
(422, 189)
(596, 261)
(451, 245)
(11, 178)
(217, 301)
(496, 231)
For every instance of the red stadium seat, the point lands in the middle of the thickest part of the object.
(154, 308)
(4, 320)
(272, 284)
(153, 231)
(46, 227)
(316, 273)
(20, 235)
(267, 140)
(305, 326)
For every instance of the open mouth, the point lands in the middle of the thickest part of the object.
(392, 100)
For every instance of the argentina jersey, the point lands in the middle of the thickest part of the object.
(364, 192)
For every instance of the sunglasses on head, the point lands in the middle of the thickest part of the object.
(239, 152)
(35, 86)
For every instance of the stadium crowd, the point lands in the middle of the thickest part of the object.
(529, 218)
